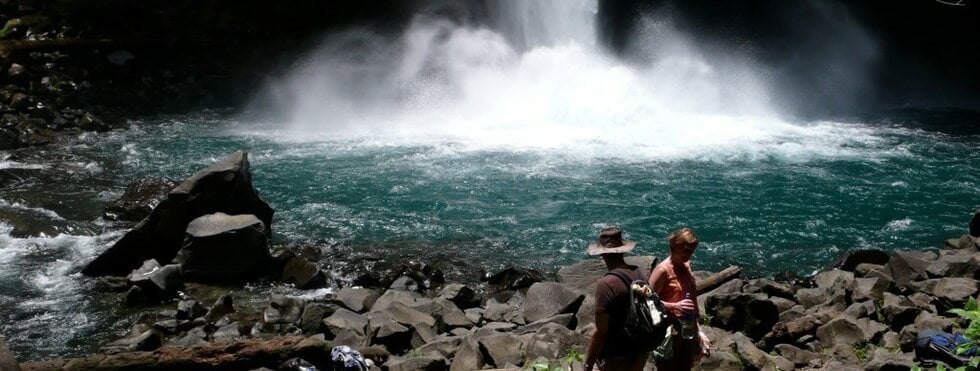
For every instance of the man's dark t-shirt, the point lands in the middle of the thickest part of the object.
(612, 297)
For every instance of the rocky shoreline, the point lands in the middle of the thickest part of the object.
(862, 313)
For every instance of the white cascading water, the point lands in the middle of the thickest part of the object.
(445, 83)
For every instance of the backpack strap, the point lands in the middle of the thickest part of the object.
(618, 272)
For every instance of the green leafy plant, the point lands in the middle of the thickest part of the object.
(970, 312)
(572, 356)
(862, 351)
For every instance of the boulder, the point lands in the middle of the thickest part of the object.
(223, 187)
(344, 319)
(850, 260)
(468, 356)
(229, 333)
(798, 356)
(138, 201)
(152, 283)
(222, 306)
(311, 322)
(283, 310)
(748, 352)
(7, 360)
(515, 278)
(953, 290)
(841, 330)
(147, 341)
(835, 278)
(753, 315)
(427, 362)
(395, 337)
(196, 337)
(462, 295)
(303, 274)
(582, 276)
(189, 309)
(907, 266)
(501, 312)
(224, 248)
(885, 360)
(450, 316)
(502, 349)
(964, 242)
(964, 266)
(359, 299)
(445, 346)
(551, 340)
(869, 289)
(547, 299)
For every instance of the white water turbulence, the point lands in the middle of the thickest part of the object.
(542, 85)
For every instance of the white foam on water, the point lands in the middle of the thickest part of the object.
(6, 163)
(39, 210)
(464, 89)
(898, 225)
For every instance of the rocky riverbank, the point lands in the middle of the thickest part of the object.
(863, 312)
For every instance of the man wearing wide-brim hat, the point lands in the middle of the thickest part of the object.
(612, 300)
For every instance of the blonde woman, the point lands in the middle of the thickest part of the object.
(673, 281)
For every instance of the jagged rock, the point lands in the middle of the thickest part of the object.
(782, 305)
(427, 362)
(344, 319)
(359, 299)
(850, 260)
(898, 316)
(954, 290)
(311, 321)
(462, 295)
(835, 278)
(153, 283)
(552, 339)
(566, 320)
(906, 266)
(450, 316)
(964, 242)
(947, 266)
(224, 248)
(283, 310)
(926, 320)
(468, 356)
(861, 309)
(582, 276)
(223, 187)
(146, 341)
(222, 306)
(138, 201)
(491, 327)
(752, 314)
(502, 349)
(798, 356)
(405, 315)
(189, 309)
(515, 279)
(869, 289)
(409, 298)
(445, 346)
(229, 333)
(769, 287)
(752, 355)
(884, 360)
(196, 337)
(546, 299)
(822, 296)
(475, 315)
(406, 283)
(303, 274)
(7, 360)
(396, 337)
(500, 312)
(863, 269)
(841, 331)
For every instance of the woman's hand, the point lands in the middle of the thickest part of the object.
(705, 344)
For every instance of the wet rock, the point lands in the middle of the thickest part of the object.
(138, 201)
(223, 187)
(229, 333)
(283, 310)
(146, 341)
(15, 69)
(303, 274)
(153, 283)
(189, 309)
(222, 306)
(195, 337)
(311, 321)
(224, 248)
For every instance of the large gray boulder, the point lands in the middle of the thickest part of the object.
(224, 187)
(224, 248)
(7, 360)
(138, 201)
(546, 299)
(582, 276)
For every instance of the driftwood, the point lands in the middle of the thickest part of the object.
(788, 332)
(718, 279)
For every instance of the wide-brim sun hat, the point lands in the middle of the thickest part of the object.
(611, 242)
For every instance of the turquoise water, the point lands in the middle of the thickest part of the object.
(451, 144)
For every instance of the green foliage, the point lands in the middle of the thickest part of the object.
(565, 363)
(970, 312)
(415, 352)
(572, 356)
(862, 351)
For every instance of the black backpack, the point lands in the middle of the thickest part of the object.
(641, 332)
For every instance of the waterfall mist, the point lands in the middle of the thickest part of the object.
(537, 79)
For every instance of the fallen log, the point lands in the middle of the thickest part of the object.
(718, 279)
(245, 355)
(788, 332)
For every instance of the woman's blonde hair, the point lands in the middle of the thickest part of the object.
(681, 237)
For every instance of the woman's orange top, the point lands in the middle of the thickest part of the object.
(678, 282)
